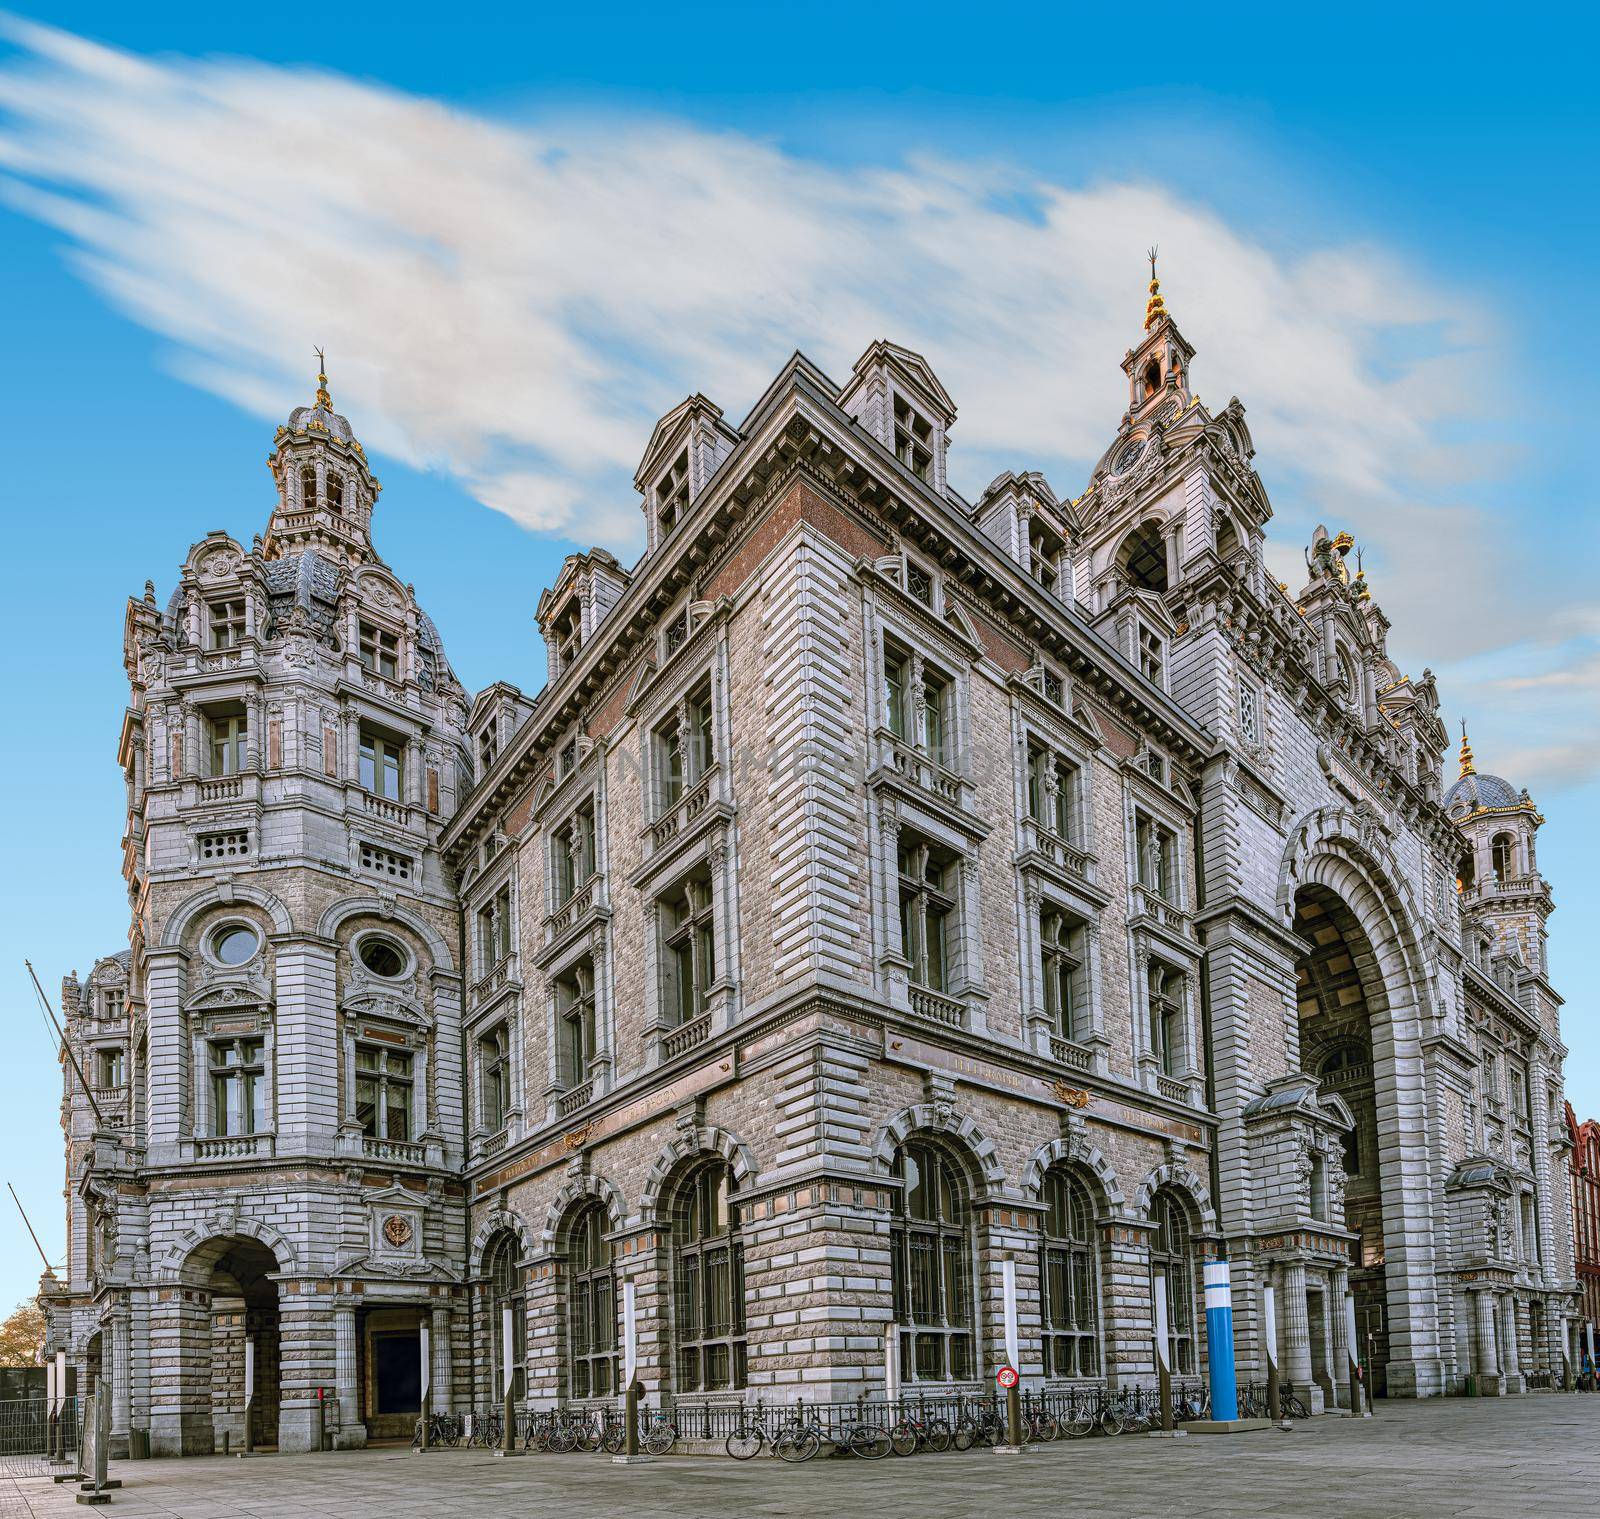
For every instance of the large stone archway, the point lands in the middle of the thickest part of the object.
(1360, 1034)
(225, 1296)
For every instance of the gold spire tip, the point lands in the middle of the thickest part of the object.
(1467, 767)
(323, 398)
(1155, 308)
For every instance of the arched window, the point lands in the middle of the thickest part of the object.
(591, 1306)
(932, 1267)
(1227, 539)
(1152, 378)
(335, 494)
(1143, 558)
(1503, 852)
(1172, 1255)
(1068, 1299)
(308, 489)
(1466, 872)
(504, 1275)
(708, 1283)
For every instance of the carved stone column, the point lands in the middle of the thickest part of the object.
(1511, 1361)
(352, 1432)
(1296, 1327)
(1338, 1337)
(1488, 1355)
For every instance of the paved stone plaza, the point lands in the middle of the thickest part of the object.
(1534, 1455)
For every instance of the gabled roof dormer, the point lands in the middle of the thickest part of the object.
(587, 588)
(687, 446)
(897, 397)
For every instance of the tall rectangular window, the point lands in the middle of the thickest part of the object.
(488, 748)
(573, 854)
(382, 766)
(227, 623)
(684, 746)
(1166, 1020)
(928, 879)
(1155, 850)
(380, 651)
(1152, 654)
(494, 930)
(238, 1087)
(110, 1067)
(494, 1078)
(383, 1092)
(1052, 786)
(1063, 963)
(897, 693)
(913, 439)
(228, 736)
(575, 1031)
(672, 493)
(688, 942)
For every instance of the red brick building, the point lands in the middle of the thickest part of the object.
(1585, 1164)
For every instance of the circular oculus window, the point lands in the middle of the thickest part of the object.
(382, 957)
(234, 943)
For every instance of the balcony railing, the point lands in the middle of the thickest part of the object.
(382, 807)
(938, 1007)
(486, 986)
(396, 1151)
(233, 1147)
(921, 770)
(1172, 1089)
(1056, 849)
(1149, 903)
(686, 1037)
(680, 816)
(568, 1103)
(494, 1144)
(1071, 1054)
(221, 788)
(574, 909)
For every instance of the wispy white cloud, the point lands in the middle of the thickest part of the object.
(515, 303)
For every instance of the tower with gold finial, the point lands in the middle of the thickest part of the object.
(1505, 896)
(326, 491)
(1158, 367)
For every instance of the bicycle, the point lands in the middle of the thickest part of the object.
(443, 1429)
(792, 1441)
(660, 1435)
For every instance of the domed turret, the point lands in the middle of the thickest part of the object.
(326, 492)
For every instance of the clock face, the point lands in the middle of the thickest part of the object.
(1129, 455)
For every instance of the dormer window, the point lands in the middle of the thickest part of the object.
(488, 748)
(1152, 654)
(380, 651)
(568, 634)
(672, 493)
(919, 583)
(226, 619)
(913, 439)
(1045, 547)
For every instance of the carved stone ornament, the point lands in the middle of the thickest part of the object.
(1074, 1097)
(397, 1231)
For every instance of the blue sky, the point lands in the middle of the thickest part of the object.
(523, 239)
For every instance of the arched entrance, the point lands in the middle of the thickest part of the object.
(244, 1311)
(1359, 1037)
(225, 1297)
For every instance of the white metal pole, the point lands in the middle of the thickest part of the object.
(425, 1348)
(630, 1334)
(508, 1368)
(1008, 1287)
(249, 1391)
(891, 1364)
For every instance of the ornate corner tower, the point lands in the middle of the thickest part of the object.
(285, 1170)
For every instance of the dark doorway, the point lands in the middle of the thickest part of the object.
(397, 1373)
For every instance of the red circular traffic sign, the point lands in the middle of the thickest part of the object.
(1007, 1377)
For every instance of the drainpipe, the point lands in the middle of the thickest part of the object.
(466, 1204)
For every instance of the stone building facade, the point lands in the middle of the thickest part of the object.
(883, 887)
(1584, 1161)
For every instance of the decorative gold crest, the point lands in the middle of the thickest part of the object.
(575, 1139)
(1074, 1097)
(397, 1230)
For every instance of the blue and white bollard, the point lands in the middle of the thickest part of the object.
(1219, 1342)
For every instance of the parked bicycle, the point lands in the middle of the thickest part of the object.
(788, 1440)
(443, 1429)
